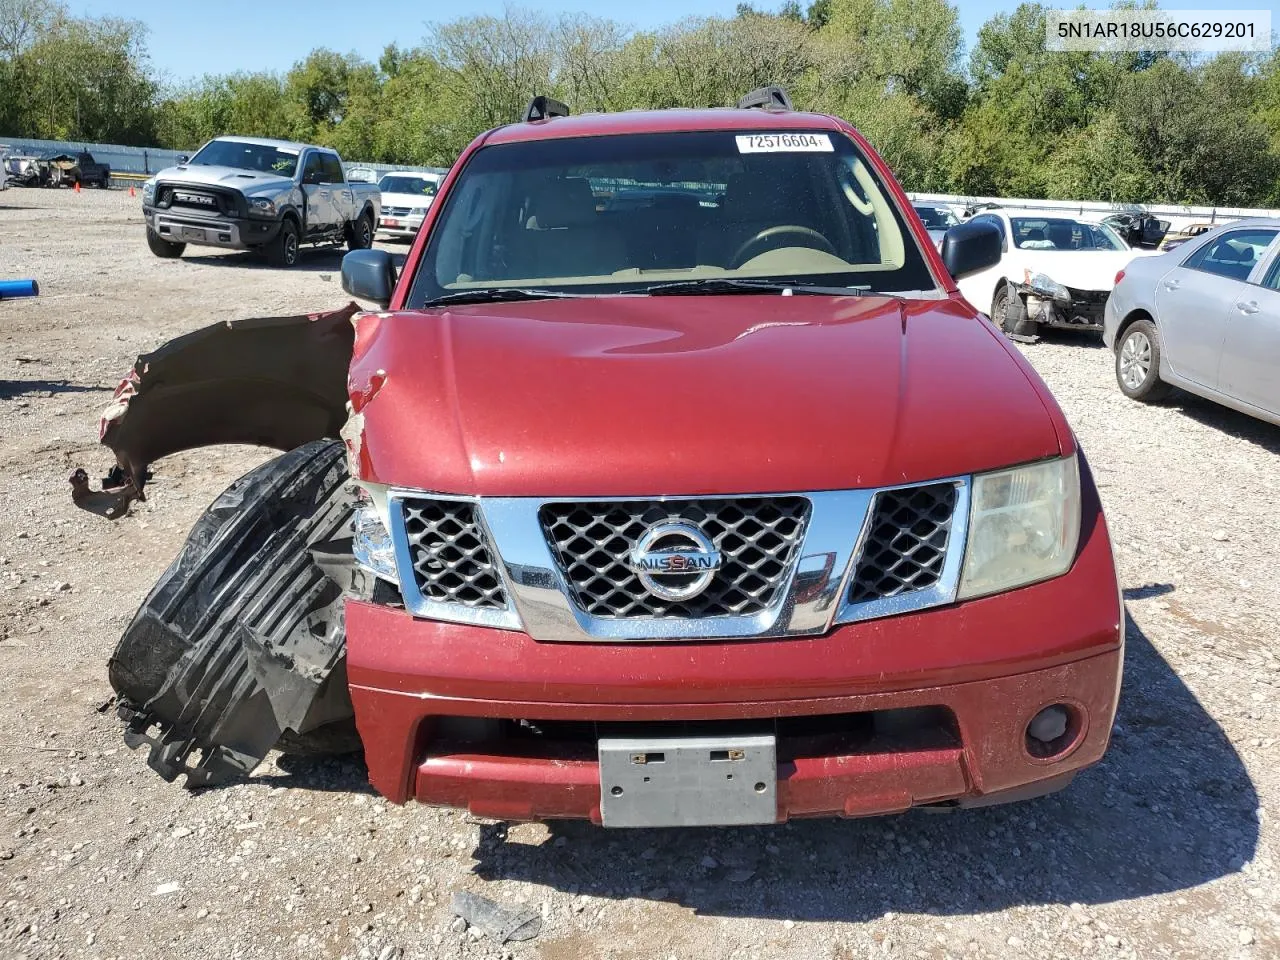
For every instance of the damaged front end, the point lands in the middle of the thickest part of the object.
(1040, 302)
(240, 646)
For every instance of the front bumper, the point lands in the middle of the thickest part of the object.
(1085, 309)
(983, 668)
(233, 233)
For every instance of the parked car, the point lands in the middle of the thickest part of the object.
(92, 173)
(1206, 318)
(670, 515)
(1178, 237)
(1055, 271)
(406, 198)
(1138, 229)
(24, 170)
(246, 193)
(937, 220)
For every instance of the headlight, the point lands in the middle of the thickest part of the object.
(149, 191)
(372, 544)
(418, 212)
(1024, 525)
(1046, 287)
(262, 206)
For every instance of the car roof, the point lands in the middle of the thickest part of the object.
(270, 142)
(660, 121)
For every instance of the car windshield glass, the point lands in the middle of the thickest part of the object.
(937, 218)
(1060, 233)
(618, 214)
(262, 157)
(414, 185)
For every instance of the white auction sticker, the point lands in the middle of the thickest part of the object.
(784, 143)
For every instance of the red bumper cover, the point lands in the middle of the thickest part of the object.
(993, 663)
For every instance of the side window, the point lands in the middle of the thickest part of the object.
(1232, 254)
(1272, 279)
(313, 172)
(332, 168)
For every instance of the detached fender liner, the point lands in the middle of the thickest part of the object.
(241, 644)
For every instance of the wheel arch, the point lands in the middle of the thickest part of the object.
(1130, 318)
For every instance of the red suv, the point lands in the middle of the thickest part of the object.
(684, 488)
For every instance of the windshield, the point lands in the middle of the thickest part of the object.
(262, 157)
(415, 185)
(617, 214)
(937, 218)
(1059, 233)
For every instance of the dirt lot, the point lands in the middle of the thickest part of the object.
(1167, 849)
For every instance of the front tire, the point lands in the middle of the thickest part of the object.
(283, 251)
(1009, 313)
(360, 233)
(1138, 363)
(163, 248)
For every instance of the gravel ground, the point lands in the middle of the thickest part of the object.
(1166, 849)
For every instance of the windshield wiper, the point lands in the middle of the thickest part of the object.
(729, 285)
(497, 295)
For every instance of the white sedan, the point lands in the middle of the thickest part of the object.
(1056, 271)
(406, 196)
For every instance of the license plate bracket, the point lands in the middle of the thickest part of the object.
(688, 781)
(194, 233)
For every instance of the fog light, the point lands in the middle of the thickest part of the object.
(1052, 731)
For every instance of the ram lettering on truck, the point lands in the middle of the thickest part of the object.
(671, 483)
(244, 193)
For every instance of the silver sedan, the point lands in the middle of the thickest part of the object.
(1204, 317)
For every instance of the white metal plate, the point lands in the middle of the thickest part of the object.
(688, 781)
(784, 143)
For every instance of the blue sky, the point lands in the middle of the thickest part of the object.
(188, 39)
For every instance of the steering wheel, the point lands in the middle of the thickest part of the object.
(765, 238)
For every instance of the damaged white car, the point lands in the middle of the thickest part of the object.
(1056, 271)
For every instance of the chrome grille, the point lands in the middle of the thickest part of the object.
(452, 559)
(757, 537)
(907, 544)
(395, 211)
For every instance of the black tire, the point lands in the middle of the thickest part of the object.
(241, 644)
(360, 233)
(1009, 313)
(162, 247)
(284, 250)
(1138, 363)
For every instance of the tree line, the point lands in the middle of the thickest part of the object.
(1009, 119)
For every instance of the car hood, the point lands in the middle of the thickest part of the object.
(246, 180)
(1081, 269)
(405, 200)
(628, 396)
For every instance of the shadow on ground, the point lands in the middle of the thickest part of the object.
(17, 388)
(1232, 422)
(321, 260)
(1169, 808)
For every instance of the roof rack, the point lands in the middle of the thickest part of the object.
(544, 108)
(766, 98)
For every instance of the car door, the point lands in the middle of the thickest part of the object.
(1195, 300)
(341, 191)
(321, 213)
(1250, 369)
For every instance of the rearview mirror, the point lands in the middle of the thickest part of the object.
(369, 275)
(971, 247)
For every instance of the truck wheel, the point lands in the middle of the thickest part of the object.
(1138, 363)
(360, 233)
(283, 250)
(241, 645)
(163, 248)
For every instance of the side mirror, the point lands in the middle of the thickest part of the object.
(183, 158)
(369, 275)
(971, 247)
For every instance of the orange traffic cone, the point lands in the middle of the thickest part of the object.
(131, 193)
(77, 186)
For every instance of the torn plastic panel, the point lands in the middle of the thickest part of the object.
(241, 645)
(274, 381)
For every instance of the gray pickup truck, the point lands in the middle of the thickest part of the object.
(247, 193)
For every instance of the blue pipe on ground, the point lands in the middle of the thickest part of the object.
(12, 289)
